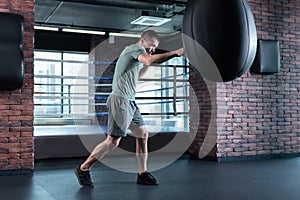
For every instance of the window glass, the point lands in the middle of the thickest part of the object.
(67, 85)
(162, 95)
(58, 76)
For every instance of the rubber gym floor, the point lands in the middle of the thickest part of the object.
(269, 179)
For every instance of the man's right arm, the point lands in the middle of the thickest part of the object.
(148, 59)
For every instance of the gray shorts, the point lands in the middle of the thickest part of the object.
(121, 114)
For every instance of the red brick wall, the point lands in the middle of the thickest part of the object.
(261, 112)
(203, 104)
(16, 107)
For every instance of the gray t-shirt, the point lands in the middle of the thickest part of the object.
(127, 72)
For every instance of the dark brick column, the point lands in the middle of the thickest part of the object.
(16, 107)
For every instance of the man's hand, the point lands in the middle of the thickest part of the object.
(179, 52)
(148, 59)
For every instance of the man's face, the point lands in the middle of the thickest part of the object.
(150, 45)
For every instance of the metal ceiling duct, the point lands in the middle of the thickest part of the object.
(148, 6)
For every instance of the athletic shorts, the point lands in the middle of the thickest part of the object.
(121, 114)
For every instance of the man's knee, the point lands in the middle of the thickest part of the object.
(145, 135)
(141, 135)
(113, 141)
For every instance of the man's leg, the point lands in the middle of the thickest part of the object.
(141, 134)
(83, 171)
(100, 151)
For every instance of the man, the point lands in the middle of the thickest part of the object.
(123, 113)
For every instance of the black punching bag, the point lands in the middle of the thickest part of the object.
(220, 38)
(11, 51)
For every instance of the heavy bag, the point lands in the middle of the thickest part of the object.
(11, 51)
(219, 38)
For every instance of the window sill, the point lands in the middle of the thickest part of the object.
(71, 130)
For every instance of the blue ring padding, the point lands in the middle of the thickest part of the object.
(103, 63)
(100, 97)
(103, 78)
(101, 114)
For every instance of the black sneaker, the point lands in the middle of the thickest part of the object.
(83, 177)
(146, 179)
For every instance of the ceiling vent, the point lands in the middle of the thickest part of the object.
(150, 21)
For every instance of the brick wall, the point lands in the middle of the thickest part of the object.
(203, 104)
(16, 107)
(261, 113)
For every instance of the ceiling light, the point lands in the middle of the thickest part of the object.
(46, 28)
(125, 35)
(83, 31)
(150, 21)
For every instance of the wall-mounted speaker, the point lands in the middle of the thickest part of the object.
(11, 51)
(267, 59)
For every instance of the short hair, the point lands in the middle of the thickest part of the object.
(149, 34)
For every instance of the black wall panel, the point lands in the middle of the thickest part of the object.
(11, 51)
(52, 40)
(267, 60)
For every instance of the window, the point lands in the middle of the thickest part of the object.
(66, 85)
(162, 96)
(58, 78)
